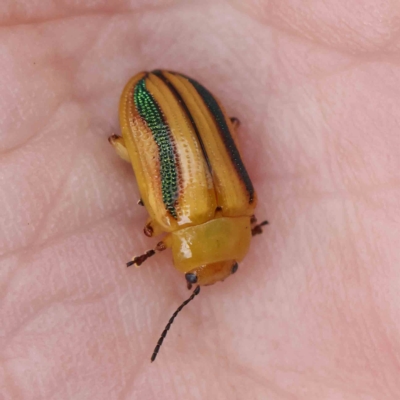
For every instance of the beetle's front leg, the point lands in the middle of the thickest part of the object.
(139, 260)
(119, 146)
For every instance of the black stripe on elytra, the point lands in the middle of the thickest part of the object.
(219, 118)
(182, 103)
(150, 112)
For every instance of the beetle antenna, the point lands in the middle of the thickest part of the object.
(165, 331)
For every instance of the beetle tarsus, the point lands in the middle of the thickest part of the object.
(139, 260)
(257, 230)
(119, 146)
(235, 122)
(148, 230)
(113, 138)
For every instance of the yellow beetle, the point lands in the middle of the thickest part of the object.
(191, 177)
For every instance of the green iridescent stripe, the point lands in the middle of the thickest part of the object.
(182, 103)
(150, 112)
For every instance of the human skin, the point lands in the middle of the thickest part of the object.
(313, 311)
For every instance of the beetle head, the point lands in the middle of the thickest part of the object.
(209, 274)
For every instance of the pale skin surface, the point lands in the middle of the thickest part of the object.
(314, 310)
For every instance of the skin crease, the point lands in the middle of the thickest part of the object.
(313, 311)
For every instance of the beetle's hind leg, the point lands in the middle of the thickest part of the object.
(119, 146)
(235, 122)
(257, 229)
(139, 260)
(235, 127)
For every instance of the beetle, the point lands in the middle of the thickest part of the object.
(191, 177)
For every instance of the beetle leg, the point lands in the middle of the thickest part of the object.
(235, 122)
(152, 228)
(235, 125)
(257, 229)
(119, 146)
(139, 260)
